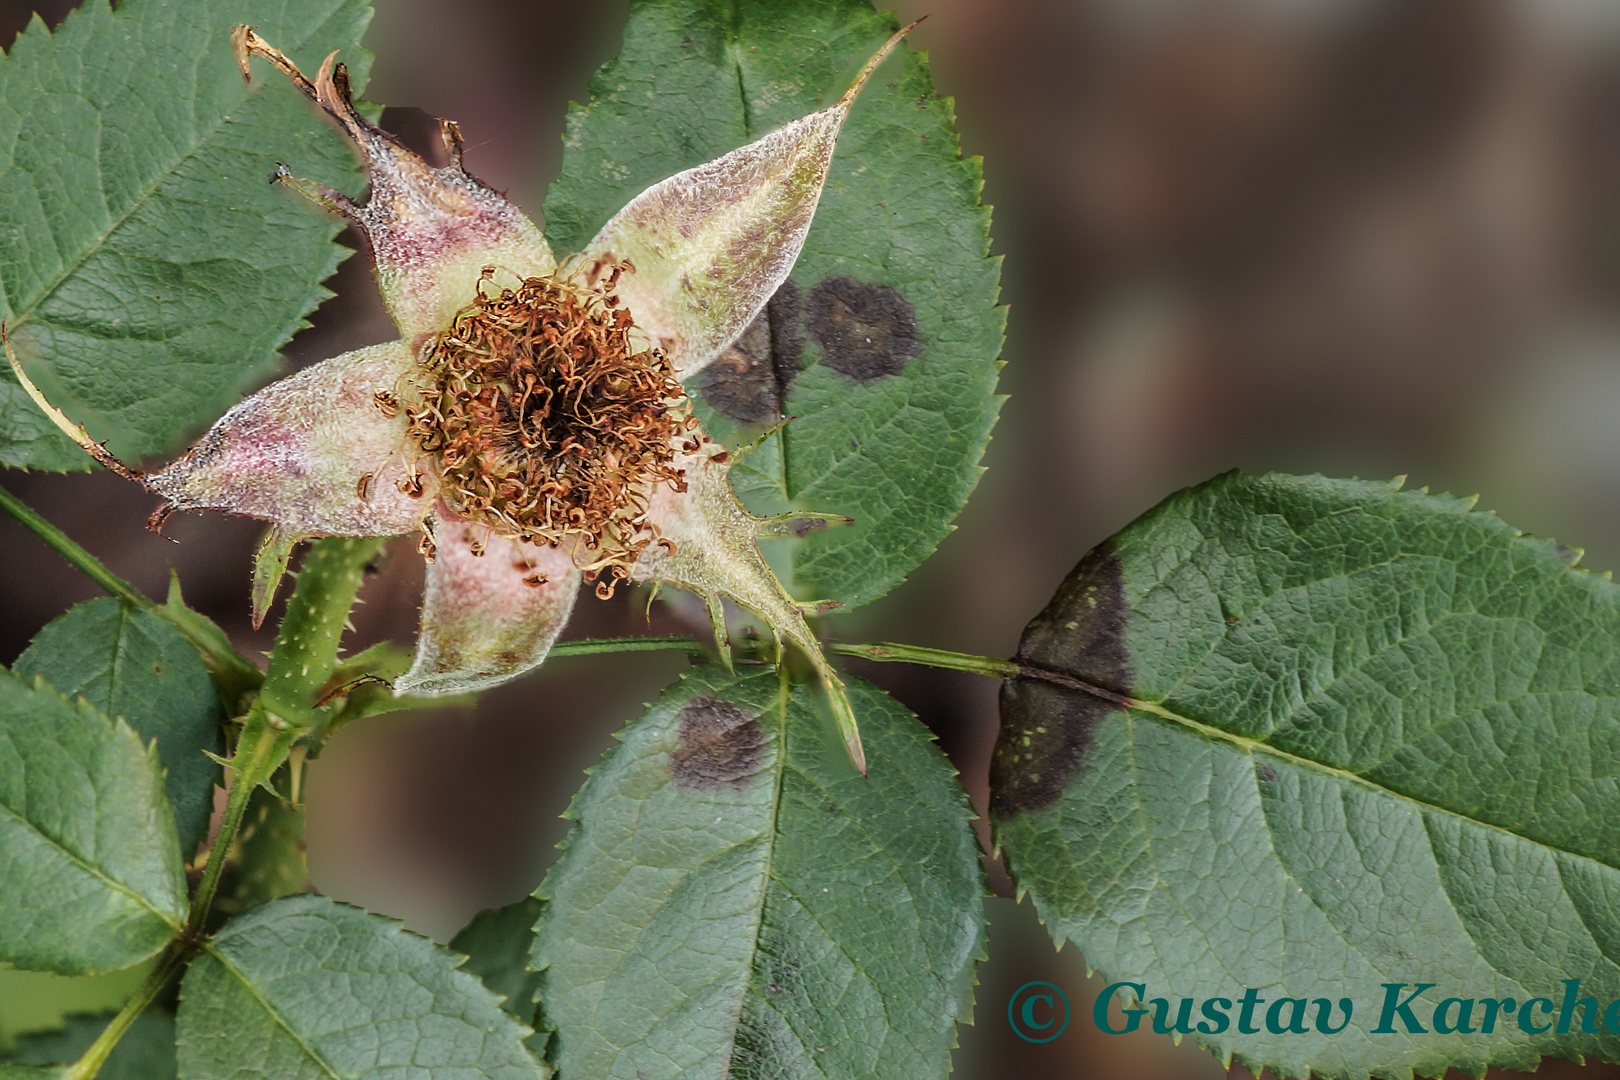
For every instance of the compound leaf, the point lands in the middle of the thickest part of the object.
(305, 988)
(132, 664)
(93, 879)
(147, 271)
(883, 343)
(735, 900)
(1320, 737)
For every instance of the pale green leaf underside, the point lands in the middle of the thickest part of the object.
(147, 270)
(1379, 742)
(92, 877)
(899, 247)
(132, 664)
(305, 988)
(735, 900)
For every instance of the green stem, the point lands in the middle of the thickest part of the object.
(302, 662)
(881, 651)
(90, 1063)
(260, 751)
(92, 567)
(627, 644)
(273, 863)
(235, 672)
(306, 652)
(888, 652)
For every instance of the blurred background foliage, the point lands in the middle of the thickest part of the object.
(1360, 237)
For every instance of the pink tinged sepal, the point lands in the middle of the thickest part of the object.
(431, 230)
(711, 245)
(716, 553)
(316, 453)
(487, 618)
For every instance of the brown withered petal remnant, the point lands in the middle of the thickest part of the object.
(547, 427)
(530, 421)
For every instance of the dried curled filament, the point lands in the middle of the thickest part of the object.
(545, 426)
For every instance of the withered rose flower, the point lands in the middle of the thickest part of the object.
(531, 421)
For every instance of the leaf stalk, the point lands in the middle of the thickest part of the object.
(231, 669)
(91, 1061)
(86, 563)
(880, 651)
(261, 749)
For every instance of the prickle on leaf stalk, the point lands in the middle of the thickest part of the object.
(530, 422)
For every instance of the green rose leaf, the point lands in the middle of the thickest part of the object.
(305, 988)
(498, 943)
(883, 343)
(133, 664)
(145, 1052)
(147, 271)
(92, 875)
(1314, 737)
(734, 899)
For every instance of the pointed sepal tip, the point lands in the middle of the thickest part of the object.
(871, 65)
(76, 432)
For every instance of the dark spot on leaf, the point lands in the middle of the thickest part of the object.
(740, 381)
(787, 336)
(1570, 556)
(748, 381)
(718, 745)
(1267, 773)
(1047, 728)
(865, 331)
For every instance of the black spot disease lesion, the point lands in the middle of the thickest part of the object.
(749, 380)
(740, 382)
(1047, 727)
(717, 746)
(865, 331)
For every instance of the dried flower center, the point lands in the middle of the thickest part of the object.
(546, 427)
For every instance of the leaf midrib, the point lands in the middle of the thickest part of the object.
(21, 316)
(270, 1010)
(767, 872)
(91, 869)
(1254, 746)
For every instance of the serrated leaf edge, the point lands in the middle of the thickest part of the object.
(155, 776)
(1462, 506)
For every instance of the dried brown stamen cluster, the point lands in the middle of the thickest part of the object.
(546, 427)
